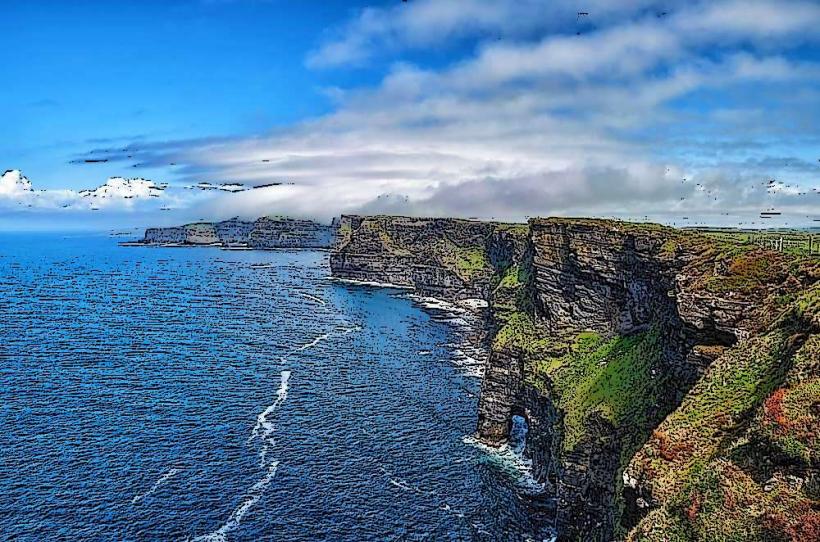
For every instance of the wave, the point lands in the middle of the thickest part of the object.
(162, 479)
(264, 429)
(264, 426)
(372, 283)
(253, 496)
(469, 354)
(512, 462)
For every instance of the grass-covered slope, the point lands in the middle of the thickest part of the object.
(670, 378)
(614, 390)
(739, 459)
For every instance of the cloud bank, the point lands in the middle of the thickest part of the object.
(17, 191)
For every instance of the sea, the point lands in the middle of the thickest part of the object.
(201, 394)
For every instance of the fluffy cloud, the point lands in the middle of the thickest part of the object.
(16, 190)
(14, 185)
(679, 111)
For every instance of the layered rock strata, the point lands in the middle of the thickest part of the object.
(601, 332)
(263, 233)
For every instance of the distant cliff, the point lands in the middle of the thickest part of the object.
(263, 233)
(669, 380)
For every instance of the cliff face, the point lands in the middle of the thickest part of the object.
(453, 259)
(264, 233)
(605, 333)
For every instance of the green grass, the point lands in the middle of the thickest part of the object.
(747, 271)
(795, 242)
(521, 332)
(471, 262)
(669, 247)
(612, 377)
(516, 228)
(512, 278)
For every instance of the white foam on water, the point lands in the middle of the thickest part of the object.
(401, 485)
(461, 315)
(314, 342)
(435, 303)
(512, 461)
(253, 496)
(475, 303)
(162, 479)
(373, 283)
(266, 427)
(312, 298)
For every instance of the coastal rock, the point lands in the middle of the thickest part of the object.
(598, 331)
(263, 233)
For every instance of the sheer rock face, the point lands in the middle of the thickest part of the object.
(606, 280)
(264, 233)
(609, 278)
(447, 258)
(705, 300)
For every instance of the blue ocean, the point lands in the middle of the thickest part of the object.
(205, 394)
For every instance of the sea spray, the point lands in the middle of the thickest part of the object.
(512, 462)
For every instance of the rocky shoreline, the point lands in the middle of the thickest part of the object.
(642, 358)
(601, 332)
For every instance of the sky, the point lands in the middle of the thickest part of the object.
(131, 114)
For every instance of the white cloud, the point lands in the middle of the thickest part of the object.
(430, 23)
(117, 192)
(118, 188)
(14, 184)
(546, 122)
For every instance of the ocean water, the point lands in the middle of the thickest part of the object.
(202, 394)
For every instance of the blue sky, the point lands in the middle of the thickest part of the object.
(86, 74)
(680, 112)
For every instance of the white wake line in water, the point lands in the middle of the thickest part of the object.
(312, 298)
(265, 428)
(263, 424)
(255, 493)
(162, 479)
(314, 342)
(523, 466)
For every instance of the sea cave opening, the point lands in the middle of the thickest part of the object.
(518, 434)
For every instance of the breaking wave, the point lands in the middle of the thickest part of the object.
(511, 461)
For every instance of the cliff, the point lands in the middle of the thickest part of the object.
(658, 370)
(263, 233)
(449, 258)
